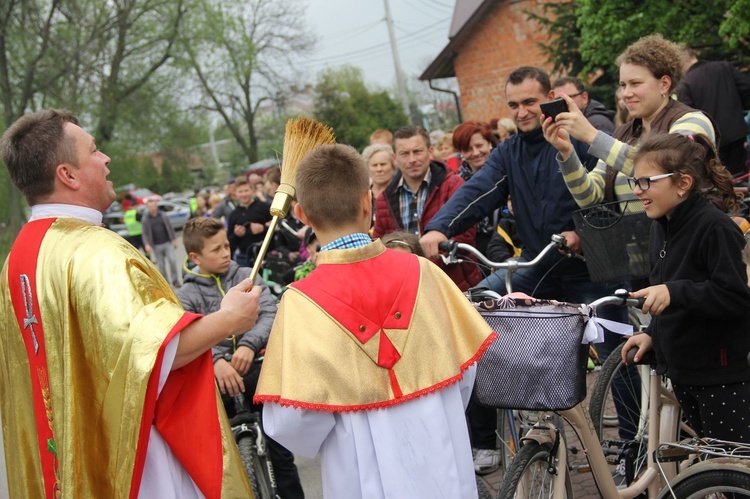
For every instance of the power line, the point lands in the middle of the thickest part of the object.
(433, 5)
(451, 7)
(349, 34)
(358, 59)
(419, 9)
(375, 47)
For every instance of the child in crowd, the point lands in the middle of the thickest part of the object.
(403, 241)
(203, 289)
(371, 360)
(698, 295)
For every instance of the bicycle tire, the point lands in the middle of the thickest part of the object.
(528, 475)
(731, 484)
(601, 396)
(505, 442)
(482, 490)
(246, 446)
(257, 469)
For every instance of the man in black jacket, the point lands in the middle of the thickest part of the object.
(721, 91)
(247, 223)
(600, 117)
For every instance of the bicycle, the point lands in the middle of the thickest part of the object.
(510, 424)
(251, 442)
(540, 468)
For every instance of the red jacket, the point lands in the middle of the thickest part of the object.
(443, 184)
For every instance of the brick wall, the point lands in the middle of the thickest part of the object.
(503, 41)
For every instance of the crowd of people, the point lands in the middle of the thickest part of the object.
(370, 355)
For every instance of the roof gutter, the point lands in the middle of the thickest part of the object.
(455, 97)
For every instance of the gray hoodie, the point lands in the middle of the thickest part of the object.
(202, 294)
(600, 117)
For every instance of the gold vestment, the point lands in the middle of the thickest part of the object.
(107, 314)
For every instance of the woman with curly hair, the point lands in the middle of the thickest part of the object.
(650, 70)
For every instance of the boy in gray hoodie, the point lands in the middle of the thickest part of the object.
(203, 288)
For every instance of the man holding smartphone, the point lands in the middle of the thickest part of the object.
(524, 168)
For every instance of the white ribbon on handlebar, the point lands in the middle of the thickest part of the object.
(594, 332)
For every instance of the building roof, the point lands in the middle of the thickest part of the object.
(466, 15)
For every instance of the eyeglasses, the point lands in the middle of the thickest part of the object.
(575, 95)
(644, 183)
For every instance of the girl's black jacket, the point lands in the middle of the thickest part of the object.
(703, 336)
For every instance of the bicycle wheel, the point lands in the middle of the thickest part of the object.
(507, 445)
(257, 468)
(617, 395)
(528, 476)
(714, 484)
(483, 490)
(619, 391)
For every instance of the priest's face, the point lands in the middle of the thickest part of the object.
(91, 170)
(215, 255)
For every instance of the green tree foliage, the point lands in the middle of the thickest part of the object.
(736, 26)
(586, 36)
(345, 103)
(559, 19)
(609, 26)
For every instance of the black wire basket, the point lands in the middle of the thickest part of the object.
(614, 238)
(538, 361)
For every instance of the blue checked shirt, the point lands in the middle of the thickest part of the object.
(409, 217)
(349, 241)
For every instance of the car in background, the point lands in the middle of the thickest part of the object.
(129, 195)
(177, 213)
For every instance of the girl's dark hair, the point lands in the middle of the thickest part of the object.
(693, 155)
(403, 240)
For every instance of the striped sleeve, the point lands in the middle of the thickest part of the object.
(694, 123)
(587, 187)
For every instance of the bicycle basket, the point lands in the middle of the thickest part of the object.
(538, 361)
(614, 238)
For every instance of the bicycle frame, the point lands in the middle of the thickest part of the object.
(663, 407)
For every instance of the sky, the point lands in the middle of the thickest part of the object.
(355, 32)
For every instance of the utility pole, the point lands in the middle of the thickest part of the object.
(396, 62)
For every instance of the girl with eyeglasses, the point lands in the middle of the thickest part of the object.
(698, 297)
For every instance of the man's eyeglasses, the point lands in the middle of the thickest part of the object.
(575, 95)
(644, 183)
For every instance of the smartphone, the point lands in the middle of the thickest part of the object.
(554, 107)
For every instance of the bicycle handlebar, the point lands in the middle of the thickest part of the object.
(620, 297)
(452, 248)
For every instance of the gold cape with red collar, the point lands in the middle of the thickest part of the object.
(107, 315)
(367, 329)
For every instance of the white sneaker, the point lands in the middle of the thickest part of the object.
(486, 461)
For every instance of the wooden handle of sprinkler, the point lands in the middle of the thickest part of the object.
(279, 208)
(264, 247)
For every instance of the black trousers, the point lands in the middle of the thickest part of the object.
(482, 425)
(287, 476)
(718, 411)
